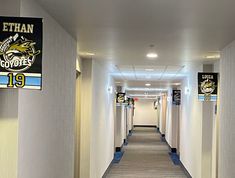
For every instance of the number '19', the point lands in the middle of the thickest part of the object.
(19, 80)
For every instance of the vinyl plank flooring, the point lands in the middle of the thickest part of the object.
(146, 156)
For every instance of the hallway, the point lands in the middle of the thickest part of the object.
(76, 76)
(146, 156)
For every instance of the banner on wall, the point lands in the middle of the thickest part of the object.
(176, 98)
(21, 53)
(207, 86)
(121, 98)
(130, 101)
(155, 104)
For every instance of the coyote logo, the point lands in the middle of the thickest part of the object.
(21, 50)
(207, 86)
(17, 53)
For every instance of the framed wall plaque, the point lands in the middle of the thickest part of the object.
(21, 53)
(207, 86)
(121, 98)
(176, 97)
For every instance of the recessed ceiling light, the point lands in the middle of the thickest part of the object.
(213, 57)
(152, 55)
(148, 84)
(149, 69)
(177, 84)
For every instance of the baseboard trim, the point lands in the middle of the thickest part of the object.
(125, 142)
(117, 149)
(174, 150)
(108, 169)
(153, 126)
(185, 170)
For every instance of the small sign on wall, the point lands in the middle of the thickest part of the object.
(155, 104)
(207, 86)
(176, 98)
(21, 53)
(121, 98)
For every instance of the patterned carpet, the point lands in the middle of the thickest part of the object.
(146, 156)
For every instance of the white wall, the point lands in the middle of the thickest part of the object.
(46, 118)
(9, 113)
(123, 123)
(8, 133)
(227, 113)
(102, 128)
(77, 129)
(191, 125)
(158, 115)
(129, 118)
(119, 126)
(215, 127)
(97, 119)
(119, 122)
(86, 115)
(162, 118)
(10, 8)
(196, 127)
(172, 121)
(145, 114)
(207, 131)
(169, 125)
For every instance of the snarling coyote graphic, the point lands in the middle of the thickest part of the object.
(20, 50)
(17, 53)
(207, 86)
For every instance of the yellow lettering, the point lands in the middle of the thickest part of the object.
(5, 27)
(30, 28)
(23, 29)
(17, 27)
(11, 25)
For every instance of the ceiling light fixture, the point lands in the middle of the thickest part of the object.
(177, 84)
(151, 54)
(149, 70)
(147, 84)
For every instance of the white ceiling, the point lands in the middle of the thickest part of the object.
(120, 32)
(147, 73)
